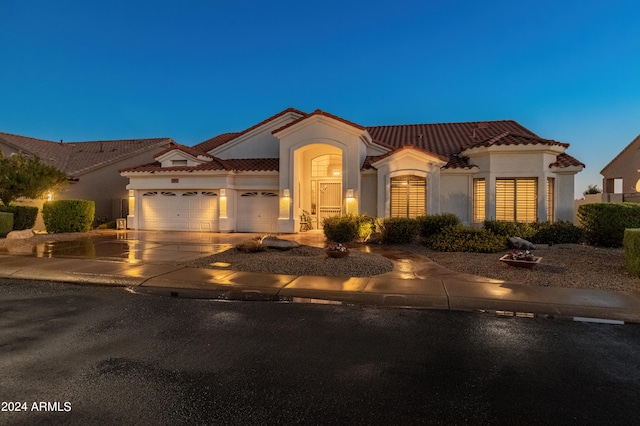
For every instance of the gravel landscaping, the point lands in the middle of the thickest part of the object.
(302, 260)
(563, 265)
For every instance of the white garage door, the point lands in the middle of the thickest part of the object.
(257, 211)
(179, 210)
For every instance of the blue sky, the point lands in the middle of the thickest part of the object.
(82, 70)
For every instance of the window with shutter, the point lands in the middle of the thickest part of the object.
(408, 196)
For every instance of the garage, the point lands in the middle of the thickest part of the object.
(179, 210)
(257, 211)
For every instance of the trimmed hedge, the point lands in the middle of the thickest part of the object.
(68, 215)
(460, 238)
(6, 223)
(399, 230)
(510, 229)
(24, 217)
(604, 223)
(560, 232)
(631, 243)
(345, 229)
(433, 224)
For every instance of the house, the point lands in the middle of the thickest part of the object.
(622, 175)
(263, 178)
(92, 167)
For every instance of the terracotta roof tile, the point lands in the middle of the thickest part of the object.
(253, 164)
(445, 139)
(510, 138)
(566, 160)
(186, 149)
(319, 112)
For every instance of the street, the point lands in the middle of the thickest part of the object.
(105, 355)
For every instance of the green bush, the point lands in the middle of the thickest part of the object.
(68, 215)
(460, 238)
(433, 224)
(560, 232)
(6, 223)
(604, 223)
(347, 228)
(631, 244)
(108, 225)
(399, 230)
(24, 217)
(510, 229)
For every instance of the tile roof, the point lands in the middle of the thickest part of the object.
(566, 160)
(186, 149)
(444, 138)
(245, 164)
(323, 113)
(511, 138)
(76, 158)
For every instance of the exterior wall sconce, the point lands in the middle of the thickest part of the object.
(286, 193)
(223, 192)
(49, 196)
(350, 193)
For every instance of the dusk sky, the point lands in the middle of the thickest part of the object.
(190, 70)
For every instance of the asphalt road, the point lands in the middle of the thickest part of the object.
(96, 355)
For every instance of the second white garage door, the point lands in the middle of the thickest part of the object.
(257, 211)
(179, 210)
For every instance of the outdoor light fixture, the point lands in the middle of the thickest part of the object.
(286, 193)
(350, 193)
(49, 196)
(223, 192)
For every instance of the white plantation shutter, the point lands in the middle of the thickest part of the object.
(517, 200)
(408, 196)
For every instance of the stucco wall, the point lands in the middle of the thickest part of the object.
(368, 197)
(455, 197)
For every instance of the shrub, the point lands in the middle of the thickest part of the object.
(344, 229)
(68, 215)
(510, 229)
(108, 225)
(604, 223)
(560, 232)
(399, 230)
(24, 217)
(6, 223)
(433, 224)
(631, 243)
(460, 238)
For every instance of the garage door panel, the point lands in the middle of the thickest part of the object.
(175, 211)
(258, 211)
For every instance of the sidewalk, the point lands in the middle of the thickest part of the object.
(414, 282)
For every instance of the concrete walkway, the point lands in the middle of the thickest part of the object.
(146, 262)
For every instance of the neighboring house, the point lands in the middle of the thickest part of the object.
(92, 167)
(263, 178)
(622, 174)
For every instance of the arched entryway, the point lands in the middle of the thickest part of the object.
(319, 173)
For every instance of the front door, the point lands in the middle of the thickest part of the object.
(329, 199)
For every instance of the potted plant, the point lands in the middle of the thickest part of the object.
(337, 250)
(521, 259)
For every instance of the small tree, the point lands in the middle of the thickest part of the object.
(22, 176)
(592, 189)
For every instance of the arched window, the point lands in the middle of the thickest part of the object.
(328, 165)
(408, 196)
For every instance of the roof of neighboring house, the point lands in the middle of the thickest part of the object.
(77, 158)
(604, 172)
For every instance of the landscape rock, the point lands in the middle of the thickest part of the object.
(20, 235)
(278, 243)
(521, 243)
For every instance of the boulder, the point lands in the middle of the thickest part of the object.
(521, 243)
(20, 235)
(277, 243)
